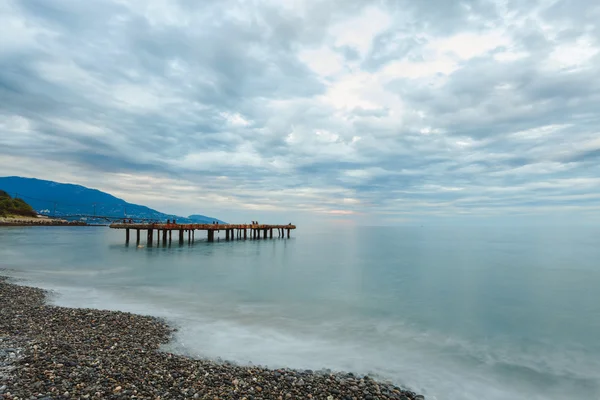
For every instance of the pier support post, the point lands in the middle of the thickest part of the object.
(211, 235)
(137, 235)
(193, 235)
(164, 233)
(265, 233)
(181, 236)
(271, 233)
(226, 234)
(150, 237)
(127, 235)
(245, 233)
(189, 236)
(170, 235)
(288, 232)
(158, 237)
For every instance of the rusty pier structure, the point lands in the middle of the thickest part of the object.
(164, 231)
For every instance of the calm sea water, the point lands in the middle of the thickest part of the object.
(469, 313)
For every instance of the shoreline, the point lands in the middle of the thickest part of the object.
(34, 221)
(58, 352)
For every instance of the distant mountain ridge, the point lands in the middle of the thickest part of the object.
(67, 199)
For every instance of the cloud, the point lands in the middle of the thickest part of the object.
(388, 110)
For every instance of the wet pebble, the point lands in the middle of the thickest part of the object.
(95, 354)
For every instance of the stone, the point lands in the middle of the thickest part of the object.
(94, 354)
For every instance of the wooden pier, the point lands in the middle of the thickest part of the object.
(164, 232)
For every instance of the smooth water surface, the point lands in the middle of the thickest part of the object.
(469, 313)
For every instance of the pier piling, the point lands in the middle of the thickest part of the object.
(252, 231)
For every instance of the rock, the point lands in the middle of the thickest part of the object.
(419, 397)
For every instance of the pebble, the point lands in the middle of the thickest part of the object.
(94, 354)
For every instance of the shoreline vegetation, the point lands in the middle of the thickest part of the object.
(16, 212)
(51, 352)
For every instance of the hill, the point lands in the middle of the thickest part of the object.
(62, 199)
(10, 206)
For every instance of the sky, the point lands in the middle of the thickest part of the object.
(383, 112)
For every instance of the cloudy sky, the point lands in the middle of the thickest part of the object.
(386, 111)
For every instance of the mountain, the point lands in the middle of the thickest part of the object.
(62, 199)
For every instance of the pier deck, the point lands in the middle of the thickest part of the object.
(232, 231)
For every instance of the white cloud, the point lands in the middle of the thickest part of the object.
(469, 44)
(323, 61)
(359, 31)
(235, 119)
(576, 54)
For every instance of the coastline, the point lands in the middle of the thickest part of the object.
(56, 352)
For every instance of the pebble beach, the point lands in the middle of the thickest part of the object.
(49, 352)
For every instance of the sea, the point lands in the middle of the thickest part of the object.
(454, 313)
